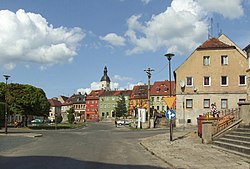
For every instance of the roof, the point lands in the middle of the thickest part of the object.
(247, 48)
(162, 88)
(116, 93)
(139, 92)
(214, 43)
(54, 102)
(77, 99)
(94, 95)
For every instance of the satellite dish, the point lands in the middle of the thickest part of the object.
(182, 83)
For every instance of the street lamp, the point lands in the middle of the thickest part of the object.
(169, 57)
(6, 110)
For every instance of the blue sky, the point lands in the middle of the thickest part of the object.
(62, 46)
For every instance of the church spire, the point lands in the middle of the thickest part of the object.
(105, 80)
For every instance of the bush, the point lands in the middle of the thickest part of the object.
(71, 118)
(59, 118)
(2, 113)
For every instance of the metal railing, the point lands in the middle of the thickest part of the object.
(226, 117)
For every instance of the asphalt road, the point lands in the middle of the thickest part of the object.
(99, 145)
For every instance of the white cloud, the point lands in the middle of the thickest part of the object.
(113, 85)
(228, 8)
(121, 78)
(145, 1)
(114, 39)
(179, 29)
(28, 38)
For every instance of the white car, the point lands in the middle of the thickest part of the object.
(37, 121)
(123, 122)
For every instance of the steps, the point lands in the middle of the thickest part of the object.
(236, 141)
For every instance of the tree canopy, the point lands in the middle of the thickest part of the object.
(24, 99)
(121, 108)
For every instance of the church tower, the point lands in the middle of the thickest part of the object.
(105, 80)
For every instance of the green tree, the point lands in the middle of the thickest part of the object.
(26, 100)
(121, 108)
(2, 113)
(59, 118)
(70, 115)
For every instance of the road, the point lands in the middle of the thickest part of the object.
(99, 145)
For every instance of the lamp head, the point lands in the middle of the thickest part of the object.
(6, 77)
(169, 56)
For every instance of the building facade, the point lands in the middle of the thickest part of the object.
(108, 102)
(55, 109)
(92, 100)
(159, 90)
(214, 73)
(138, 99)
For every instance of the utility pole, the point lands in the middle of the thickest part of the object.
(148, 71)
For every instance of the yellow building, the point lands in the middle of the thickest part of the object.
(214, 73)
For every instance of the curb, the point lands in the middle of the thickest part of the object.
(32, 135)
(151, 152)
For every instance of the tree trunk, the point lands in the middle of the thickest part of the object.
(26, 120)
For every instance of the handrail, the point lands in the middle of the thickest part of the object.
(227, 117)
(227, 128)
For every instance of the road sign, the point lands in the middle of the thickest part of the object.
(169, 101)
(170, 114)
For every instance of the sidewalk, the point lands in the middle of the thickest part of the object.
(24, 132)
(187, 151)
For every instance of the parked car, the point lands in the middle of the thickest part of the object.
(36, 121)
(123, 122)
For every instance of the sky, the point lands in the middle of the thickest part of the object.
(62, 46)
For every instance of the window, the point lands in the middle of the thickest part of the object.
(206, 81)
(224, 60)
(242, 100)
(163, 108)
(206, 60)
(206, 103)
(189, 81)
(152, 99)
(224, 81)
(224, 103)
(189, 103)
(158, 107)
(242, 80)
(157, 99)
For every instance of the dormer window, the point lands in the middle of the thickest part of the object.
(158, 89)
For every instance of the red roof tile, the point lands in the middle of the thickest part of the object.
(162, 88)
(139, 92)
(214, 43)
(94, 94)
(54, 102)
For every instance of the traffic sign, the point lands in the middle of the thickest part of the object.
(169, 101)
(170, 114)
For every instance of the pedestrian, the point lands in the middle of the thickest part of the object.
(214, 110)
(115, 123)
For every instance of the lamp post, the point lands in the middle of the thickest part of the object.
(169, 57)
(6, 109)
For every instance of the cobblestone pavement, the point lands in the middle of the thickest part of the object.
(187, 151)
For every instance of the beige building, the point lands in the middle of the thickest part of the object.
(214, 73)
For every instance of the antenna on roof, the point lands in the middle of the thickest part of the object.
(219, 30)
(210, 29)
